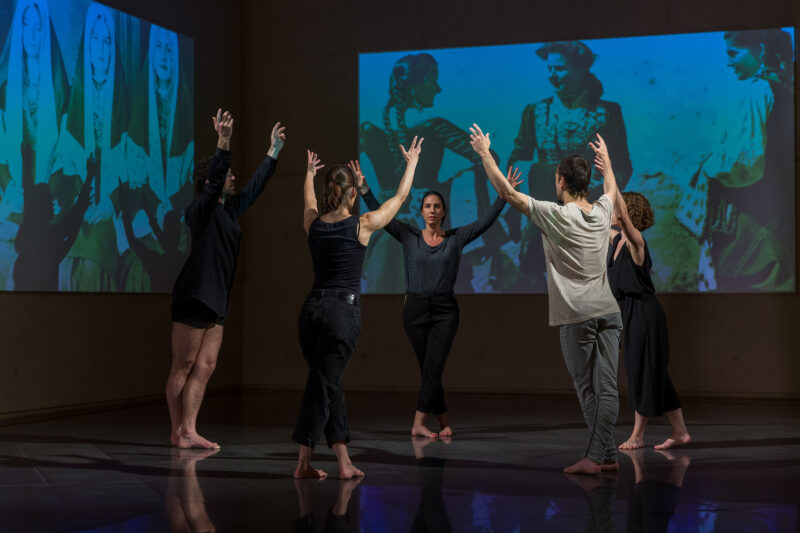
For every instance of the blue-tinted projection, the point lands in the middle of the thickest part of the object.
(701, 124)
(96, 148)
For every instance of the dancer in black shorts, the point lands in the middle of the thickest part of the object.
(201, 292)
(330, 320)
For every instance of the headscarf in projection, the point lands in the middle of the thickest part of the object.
(48, 98)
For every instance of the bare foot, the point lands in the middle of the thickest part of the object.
(306, 471)
(610, 467)
(674, 440)
(189, 455)
(632, 443)
(422, 431)
(174, 436)
(419, 445)
(585, 483)
(193, 440)
(584, 466)
(446, 431)
(349, 471)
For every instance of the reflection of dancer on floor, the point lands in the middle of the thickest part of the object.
(42, 242)
(601, 492)
(575, 238)
(430, 314)
(186, 506)
(337, 519)
(432, 512)
(413, 84)
(652, 502)
(330, 320)
(202, 290)
(645, 342)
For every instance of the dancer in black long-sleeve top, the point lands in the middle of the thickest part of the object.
(430, 313)
(201, 292)
(330, 320)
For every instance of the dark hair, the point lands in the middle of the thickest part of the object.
(441, 199)
(410, 69)
(339, 181)
(578, 54)
(200, 175)
(778, 54)
(576, 172)
(639, 210)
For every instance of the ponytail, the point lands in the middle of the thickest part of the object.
(339, 181)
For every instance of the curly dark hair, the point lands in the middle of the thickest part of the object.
(773, 47)
(201, 169)
(639, 210)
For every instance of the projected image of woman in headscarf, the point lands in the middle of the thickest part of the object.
(413, 84)
(96, 119)
(161, 156)
(747, 244)
(33, 91)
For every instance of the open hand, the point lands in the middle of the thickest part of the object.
(223, 124)
(360, 180)
(480, 141)
(278, 137)
(412, 155)
(314, 163)
(513, 177)
(601, 157)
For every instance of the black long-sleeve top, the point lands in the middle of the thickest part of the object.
(433, 269)
(208, 272)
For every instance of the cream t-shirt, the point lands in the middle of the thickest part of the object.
(575, 250)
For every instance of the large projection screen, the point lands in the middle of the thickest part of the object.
(701, 124)
(96, 148)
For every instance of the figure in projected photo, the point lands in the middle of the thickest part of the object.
(330, 319)
(575, 237)
(430, 313)
(413, 84)
(42, 240)
(161, 152)
(33, 92)
(202, 291)
(645, 342)
(557, 127)
(96, 120)
(748, 227)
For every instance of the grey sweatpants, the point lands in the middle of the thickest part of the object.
(591, 352)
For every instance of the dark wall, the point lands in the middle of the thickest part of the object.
(71, 349)
(301, 67)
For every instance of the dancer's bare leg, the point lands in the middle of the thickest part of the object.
(680, 465)
(186, 342)
(346, 468)
(444, 425)
(194, 505)
(303, 499)
(304, 469)
(636, 440)
(419, 429)
(680, 435)
(637, 458)
(195, 389)
(346, 488)
(584, 466)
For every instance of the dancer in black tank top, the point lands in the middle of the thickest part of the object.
(330, 320)
(645, 342)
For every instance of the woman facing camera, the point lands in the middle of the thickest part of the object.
(330, 319)
(430, 313)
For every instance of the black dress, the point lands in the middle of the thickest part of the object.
(645, 343)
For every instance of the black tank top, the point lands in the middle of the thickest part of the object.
(337, 255)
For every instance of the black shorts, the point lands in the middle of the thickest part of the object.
(195, 313)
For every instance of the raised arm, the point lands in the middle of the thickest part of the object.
(266, 169)
(609, 181)
(480, 143)
(313, 164)
(467, 234)
(395, 228)
(602, 163)
(375, 220)
(218, 170)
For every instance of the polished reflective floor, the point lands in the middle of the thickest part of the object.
(112, 471)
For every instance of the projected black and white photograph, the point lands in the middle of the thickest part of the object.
(96, 149)
(701, 124)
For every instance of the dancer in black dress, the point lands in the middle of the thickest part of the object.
(645, 343)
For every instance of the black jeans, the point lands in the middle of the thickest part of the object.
(431, 323)
(329, 326)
